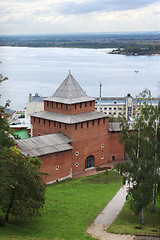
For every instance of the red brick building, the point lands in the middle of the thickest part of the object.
(69, 135)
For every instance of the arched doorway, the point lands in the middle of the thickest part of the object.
(89, 162)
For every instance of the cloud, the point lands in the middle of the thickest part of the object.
(90, 6)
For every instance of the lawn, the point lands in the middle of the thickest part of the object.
(128, 223)
(71, 206)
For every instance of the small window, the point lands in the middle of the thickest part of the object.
(85, 104)
(61, 105)
(49, 122)
(75, 125)
(57, 168)
(102, 145)
(47, 103)
(87, 124)
(39, 120)
(96, 108)
(104, 120)
(59, 125)
(77, 164)
(90, 103)
(105, 108)
(43, 121)
(98, 121)
(80, 105)
(56, 105)
(75, 105)
(52, 104)
(66, 106)
(113, 158)
(92, 122)
(77, 153)
(34, 119)
(81, 124)
(54, 124)
(115, 108)
(102, 157)
(110, 108)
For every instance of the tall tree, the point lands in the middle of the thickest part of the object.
(22, 188)
(22, 191)
(142, 144)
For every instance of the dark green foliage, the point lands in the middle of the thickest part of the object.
(21, 186)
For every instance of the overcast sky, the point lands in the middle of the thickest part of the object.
(73, 16)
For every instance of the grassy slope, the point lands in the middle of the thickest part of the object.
(70, 208)
(128, 223)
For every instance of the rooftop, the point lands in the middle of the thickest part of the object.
(42, 145)
(69, 119)
(69, 92)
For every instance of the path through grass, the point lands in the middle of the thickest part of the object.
(71, 206)
(128, 223)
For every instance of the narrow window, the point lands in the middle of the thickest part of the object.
(34, 119)
(39, 120)
(80, 105)
(103, 120)
(81, 124)
(52, 104)
(56, 105)
(65, 126)
(49, 122)
(90, 103)
(43, 121)
(98, 121)
(87, 124)
(92, 122)
(54, 124)
(66, 106)
(85, 104)
(47, 103)
(59, 125)
(75, 125)
(61, 105)
(75, 106)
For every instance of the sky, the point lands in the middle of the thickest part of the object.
(76, 16)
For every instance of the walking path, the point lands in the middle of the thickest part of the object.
(107, 216)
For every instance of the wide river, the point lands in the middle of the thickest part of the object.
(41, 70)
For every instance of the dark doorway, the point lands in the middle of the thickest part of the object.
(89, 162)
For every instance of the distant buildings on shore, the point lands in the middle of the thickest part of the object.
(112, 106)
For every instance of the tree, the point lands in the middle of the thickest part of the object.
(22, 188)
(141, 142)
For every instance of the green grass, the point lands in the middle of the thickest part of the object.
(71, 206)
(128, 223)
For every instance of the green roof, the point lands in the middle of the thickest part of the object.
(22, 133)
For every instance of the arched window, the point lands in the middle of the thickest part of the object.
(89, 162)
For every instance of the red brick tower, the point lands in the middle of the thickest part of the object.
(71, 112)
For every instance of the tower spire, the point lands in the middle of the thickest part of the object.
(100, 97)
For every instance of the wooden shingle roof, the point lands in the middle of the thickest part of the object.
(43, 145)
(69, 92)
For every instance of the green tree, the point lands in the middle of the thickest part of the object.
(141, 142)
(22, 189)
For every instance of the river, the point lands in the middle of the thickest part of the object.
(41, 70)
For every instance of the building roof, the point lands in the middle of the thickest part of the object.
(42, 145)
(69, 119)
(69, 92)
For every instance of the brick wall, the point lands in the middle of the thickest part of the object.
(57, 165)
(69, 109)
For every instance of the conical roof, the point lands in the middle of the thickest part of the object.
(69, 92)
(69, 89)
